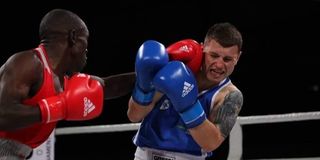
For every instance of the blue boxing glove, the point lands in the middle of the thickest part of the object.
(151, 57)
(178, 83)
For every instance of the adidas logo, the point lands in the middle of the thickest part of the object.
(187, 87)
(165, 105)
(184, 48)
(88, 106)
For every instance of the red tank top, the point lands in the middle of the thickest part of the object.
(36, 134)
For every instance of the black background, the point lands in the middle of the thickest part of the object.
(277, 73)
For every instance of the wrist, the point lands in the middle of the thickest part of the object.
(194, 116)
(52, 109)
(142, 97)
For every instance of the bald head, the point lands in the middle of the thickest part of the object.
(59, 22)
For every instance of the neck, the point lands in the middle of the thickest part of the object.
(203, 82)
(55, 57)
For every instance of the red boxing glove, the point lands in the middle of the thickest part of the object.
(82, 99)
(187, 51)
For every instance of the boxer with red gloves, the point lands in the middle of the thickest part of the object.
(82, 99)
(196, 104)
(42, 85)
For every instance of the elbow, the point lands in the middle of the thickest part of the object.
(5, 122)
(212, 144)
(210, 147)
(3, 126)
(6, 125)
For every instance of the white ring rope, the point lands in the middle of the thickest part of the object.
(289, 117)
(98, 129)
(242, 120)
(236, 144)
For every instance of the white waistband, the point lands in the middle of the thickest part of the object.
(154, 154)
(11, 148)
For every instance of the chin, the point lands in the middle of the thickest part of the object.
(215, 79)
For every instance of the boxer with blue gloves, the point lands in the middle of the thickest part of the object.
(193, 104)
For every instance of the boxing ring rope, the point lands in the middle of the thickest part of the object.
(235, 145)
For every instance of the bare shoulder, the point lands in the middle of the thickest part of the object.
(20, 75)
(229, 92)
(23, 65)
(226, 108)
(24, 58)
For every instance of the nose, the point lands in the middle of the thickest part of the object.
(219, 62)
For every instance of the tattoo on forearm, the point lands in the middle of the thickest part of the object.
(227, 113)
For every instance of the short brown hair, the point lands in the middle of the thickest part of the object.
(225, 34)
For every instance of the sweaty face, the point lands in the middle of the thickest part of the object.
(219, 62)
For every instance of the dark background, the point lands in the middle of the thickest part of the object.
(277, 73)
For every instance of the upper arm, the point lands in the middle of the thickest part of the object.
(20, 78)
(227, 111)
(17, 76)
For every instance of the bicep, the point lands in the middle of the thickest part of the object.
(226, 114)
(12, 88)
(17, 78)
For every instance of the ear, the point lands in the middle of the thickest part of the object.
(72, 37)
(240, 52)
